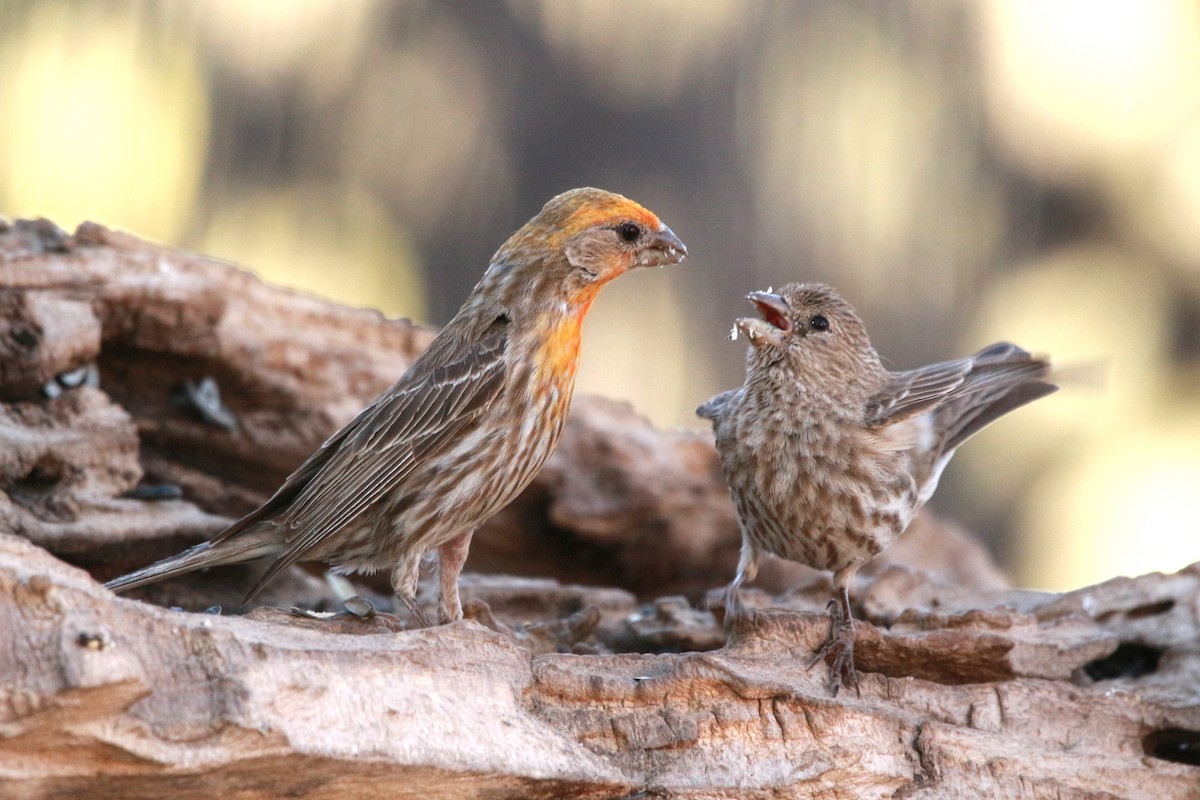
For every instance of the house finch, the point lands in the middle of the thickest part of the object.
(828, 454)
(465, 429)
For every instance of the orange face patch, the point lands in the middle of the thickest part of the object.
(572, 212)
(607, 210)
(612, 210)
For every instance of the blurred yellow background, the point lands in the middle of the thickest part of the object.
(963, 171)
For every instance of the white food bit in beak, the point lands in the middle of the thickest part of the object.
(733, 333)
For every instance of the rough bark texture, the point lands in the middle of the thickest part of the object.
(116, 450)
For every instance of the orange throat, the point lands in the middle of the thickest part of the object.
(560, 351)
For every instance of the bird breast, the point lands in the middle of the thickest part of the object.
(812, 489)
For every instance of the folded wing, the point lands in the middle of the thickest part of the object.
(945, 404)
(360, 465)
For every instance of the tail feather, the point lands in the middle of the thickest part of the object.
(975, 417)
(206, 554)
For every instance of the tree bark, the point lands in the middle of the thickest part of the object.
(150, 394)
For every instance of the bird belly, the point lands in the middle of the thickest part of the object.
(830, 537)
(822, 503)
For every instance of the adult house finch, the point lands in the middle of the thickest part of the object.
(828, 455)
(468, 425)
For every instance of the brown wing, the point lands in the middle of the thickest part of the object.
(964, 395)
(358, 466)
(916, 391)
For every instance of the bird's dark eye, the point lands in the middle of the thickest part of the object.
(628, 231)
(818, 323)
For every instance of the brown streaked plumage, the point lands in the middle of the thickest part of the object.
(465, 428)
(828, 454)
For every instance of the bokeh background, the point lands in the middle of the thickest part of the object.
(964, 171)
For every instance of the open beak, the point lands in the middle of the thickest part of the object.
(774, 325)
(774, 309)
(662, 248)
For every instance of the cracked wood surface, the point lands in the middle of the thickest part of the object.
(117, 450)
(117, 698)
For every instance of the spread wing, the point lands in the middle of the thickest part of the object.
(964, 395)
(419, 417)
(916, 391)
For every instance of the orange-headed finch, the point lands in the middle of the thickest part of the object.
(465, 428)
(828, 454)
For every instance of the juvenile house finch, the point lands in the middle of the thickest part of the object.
(828, 454)
(465, 429)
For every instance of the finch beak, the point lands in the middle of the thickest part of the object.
(662, 248)
(775, 323)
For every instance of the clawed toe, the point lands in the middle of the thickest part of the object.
(418, 613)
(841, 671)
(727, 606)
(841, 645)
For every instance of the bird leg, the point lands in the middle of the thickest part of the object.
(451, 557)
(404, 584)
(747, 569)
(841, 640)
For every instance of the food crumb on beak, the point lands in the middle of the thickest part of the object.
(733, 333)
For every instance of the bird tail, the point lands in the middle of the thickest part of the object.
(207, 554)
(1004, 378)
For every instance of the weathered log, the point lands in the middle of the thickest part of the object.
(116, 450)
(109, 697)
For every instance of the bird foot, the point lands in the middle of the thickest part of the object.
(841, 645)
(418, 613)
(726, 605)
(448, 613)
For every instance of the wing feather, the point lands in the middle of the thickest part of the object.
(934, 409)
(995, 370)
(364, 462)
(916, 391)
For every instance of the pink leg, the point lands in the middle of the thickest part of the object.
(451, 557)
(404, 584)
(746, 570)
(841, 635)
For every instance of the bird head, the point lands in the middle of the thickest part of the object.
(809, 325)
(584, 238)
